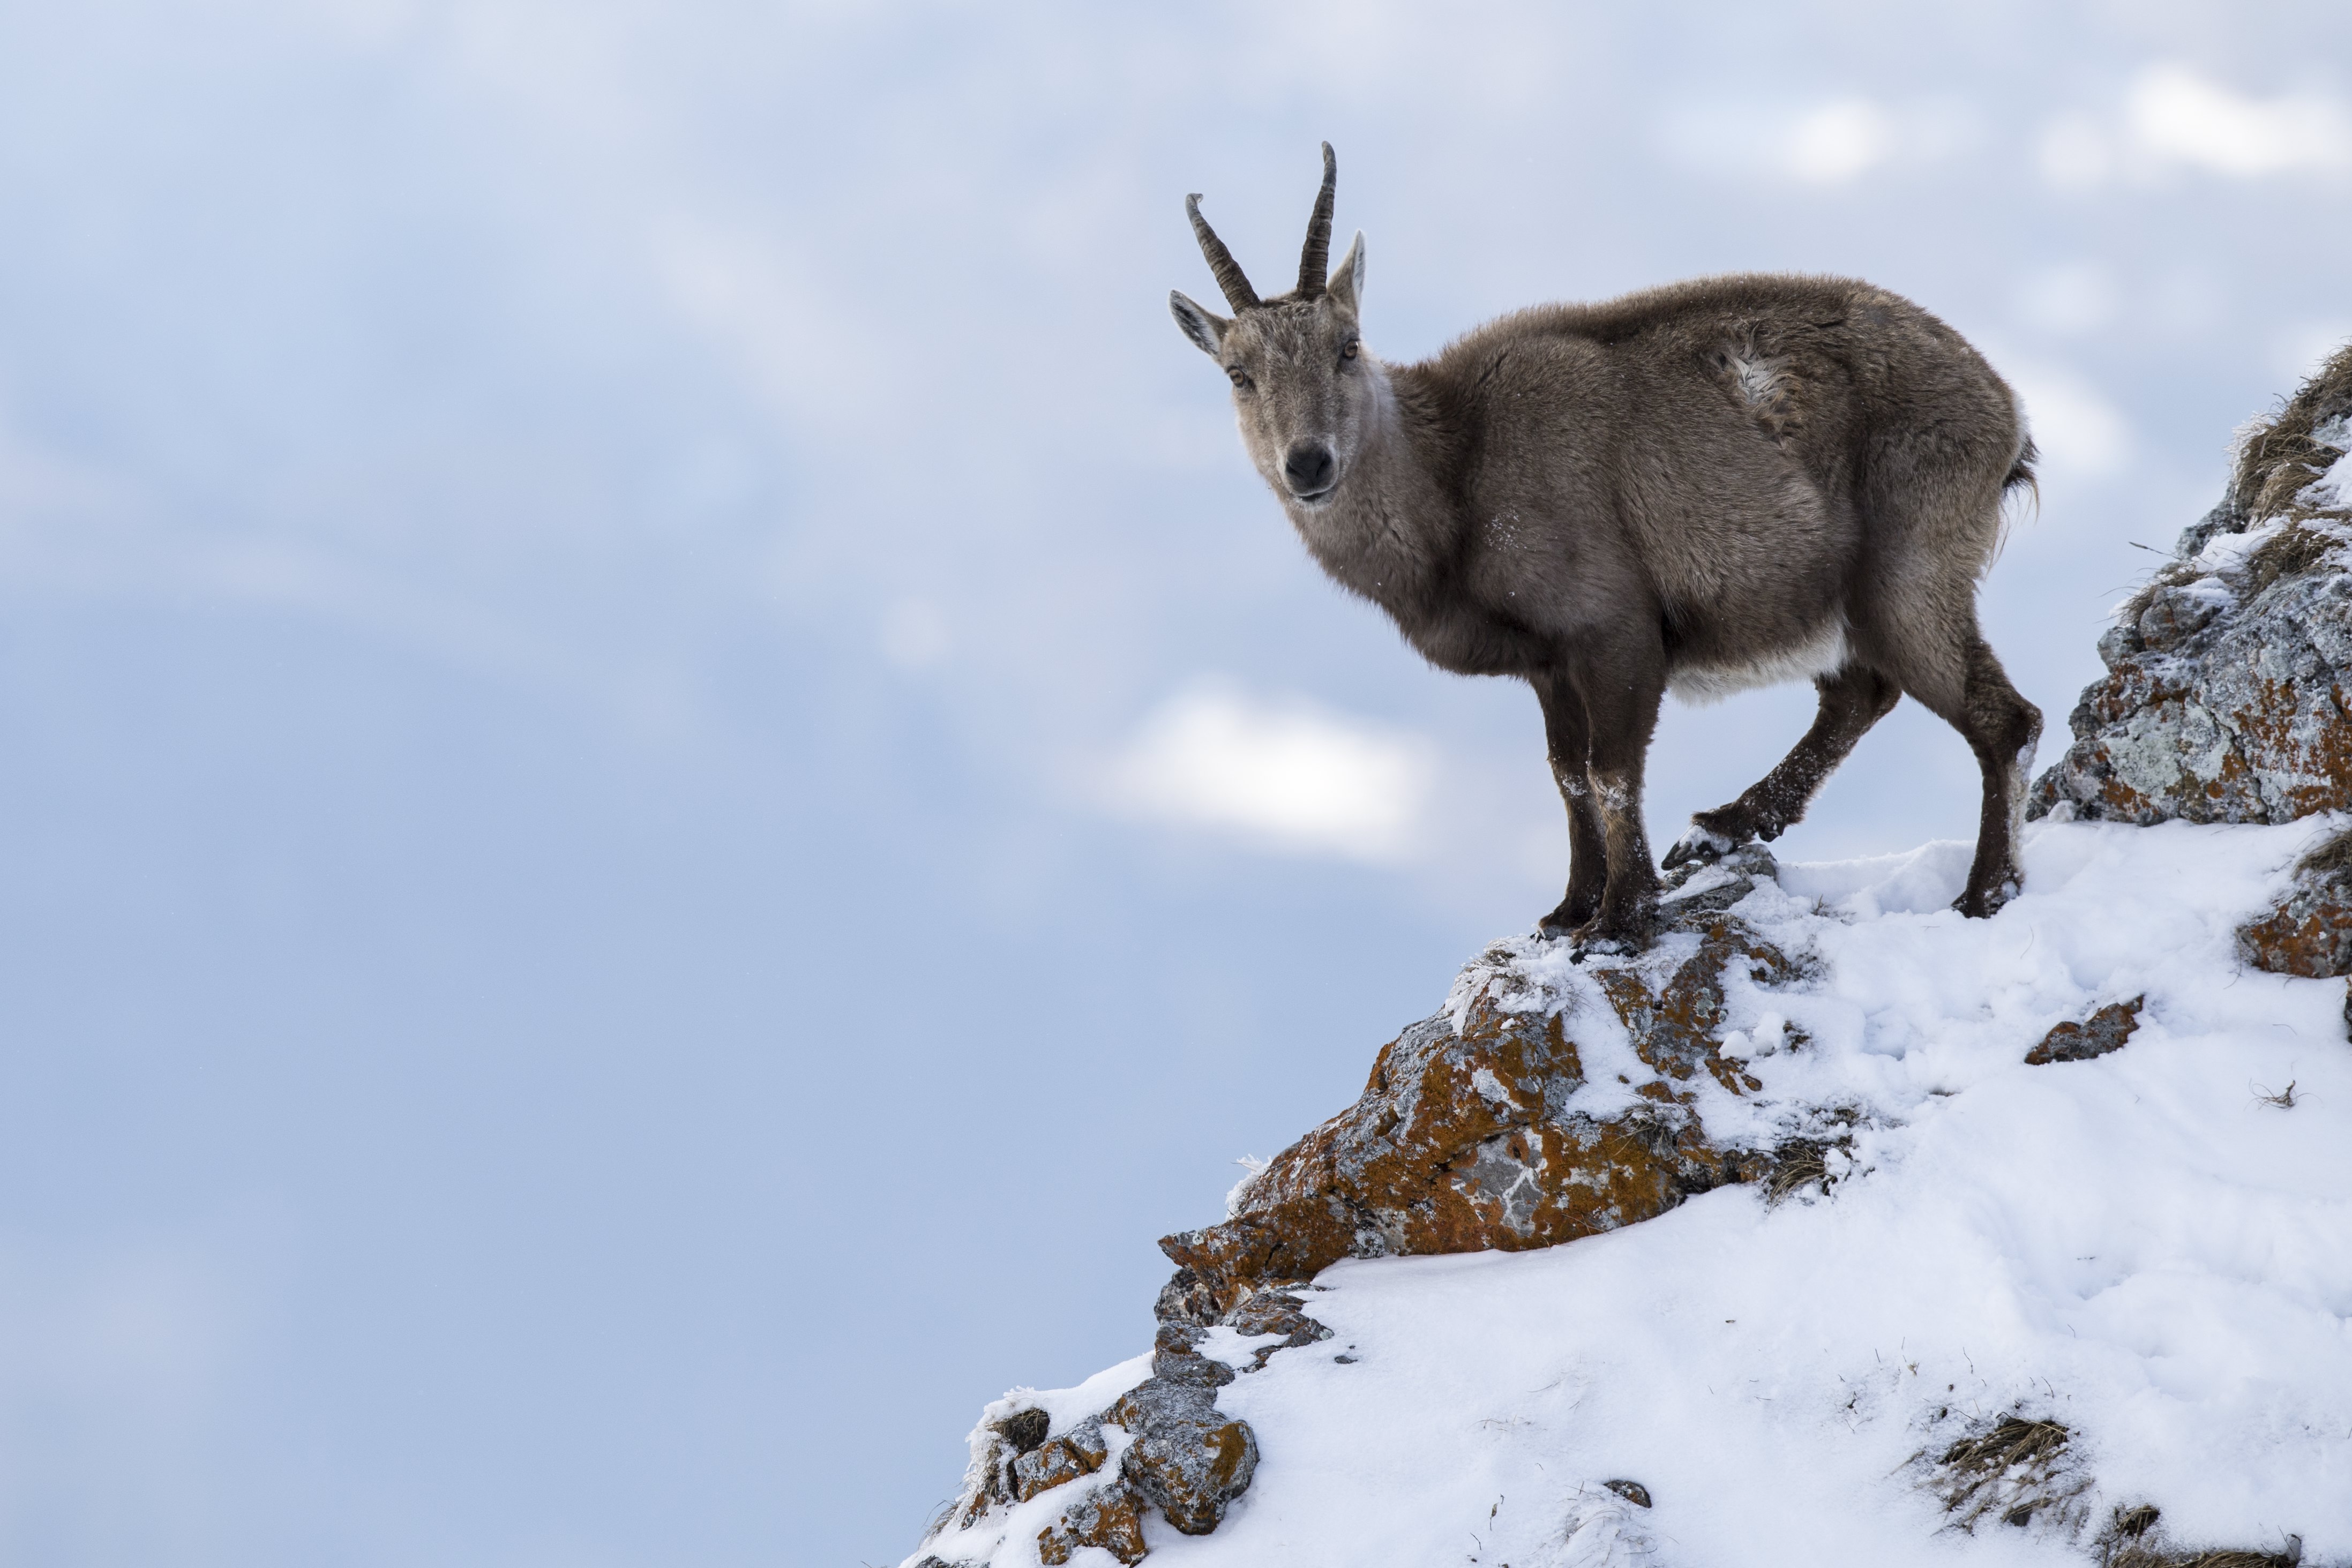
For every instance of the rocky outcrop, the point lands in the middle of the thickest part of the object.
(2104, 1030)
(2229, 671)
(1476, 1130)
(1481, 1128)
(1162, 1445)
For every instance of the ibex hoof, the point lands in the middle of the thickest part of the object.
(1572, 916)
(1983, 905)
(1618, 939)
(1701, 844)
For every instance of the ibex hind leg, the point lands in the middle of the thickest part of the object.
(2002, 729)
(1852, 700)
(1969, 690)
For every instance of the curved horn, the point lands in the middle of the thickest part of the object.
(1315, 261)
(1229, 273)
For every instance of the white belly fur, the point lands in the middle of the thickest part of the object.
(1822, 653)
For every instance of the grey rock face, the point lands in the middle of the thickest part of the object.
(2230, 673)
(1175, 1359)
(1188, 1459)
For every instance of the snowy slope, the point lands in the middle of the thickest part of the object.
(2141, 1248)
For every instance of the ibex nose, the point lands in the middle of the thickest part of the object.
(1307, 468)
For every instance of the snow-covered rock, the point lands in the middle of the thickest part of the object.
(2229, 673)
(1552, 1097)
(2142, 1259)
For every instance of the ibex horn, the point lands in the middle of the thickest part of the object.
(1315, 261)
(1229, 273)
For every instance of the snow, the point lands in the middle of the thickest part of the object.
(2142, 1247)
(2227, 552)
(2333, 488)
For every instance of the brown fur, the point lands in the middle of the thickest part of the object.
(1700, 484)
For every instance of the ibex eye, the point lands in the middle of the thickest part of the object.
(1240, 379)
(1348, 349)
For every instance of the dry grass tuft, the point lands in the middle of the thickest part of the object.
(1797, 1164)
(2276, 459)
(2283, 1099)
(2278, 456)
(2333, 857)
(2011, 1472)
(2294, 550)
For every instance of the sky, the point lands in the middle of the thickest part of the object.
(665, 786)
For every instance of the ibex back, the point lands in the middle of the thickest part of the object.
(1717, 485)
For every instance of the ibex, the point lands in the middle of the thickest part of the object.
(1715, 484)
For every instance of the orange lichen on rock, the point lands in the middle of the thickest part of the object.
(2310, 933)
(1111, 1519)
(2102, 1032)
(1463, 1139)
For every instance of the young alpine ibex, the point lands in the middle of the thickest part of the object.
(1715, 484)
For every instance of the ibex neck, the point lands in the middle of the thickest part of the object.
(1386, 534)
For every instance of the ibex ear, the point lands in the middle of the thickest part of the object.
(1347, 284)
(1205, 327)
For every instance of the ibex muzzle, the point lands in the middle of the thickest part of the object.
(1715, 484)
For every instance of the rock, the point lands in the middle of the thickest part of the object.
(1274, 1310)
(1175, 1358)
(2229, 671)
(1188, 1459)
(1186, 1299)
(1463, 1139)
(2102, 1032)
(1633, 1492)
(2310, 934)
(1060, 1461)
(1111, 1519)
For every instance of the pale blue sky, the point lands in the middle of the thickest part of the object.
(668, 786)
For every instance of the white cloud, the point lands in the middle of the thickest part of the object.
(1835, 142)
(2173, 118)
(1284, 775)
(2173, 113)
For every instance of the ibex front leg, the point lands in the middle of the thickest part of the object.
(1568, 739)
(1618, 693)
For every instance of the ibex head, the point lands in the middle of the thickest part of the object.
(1303, 389)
